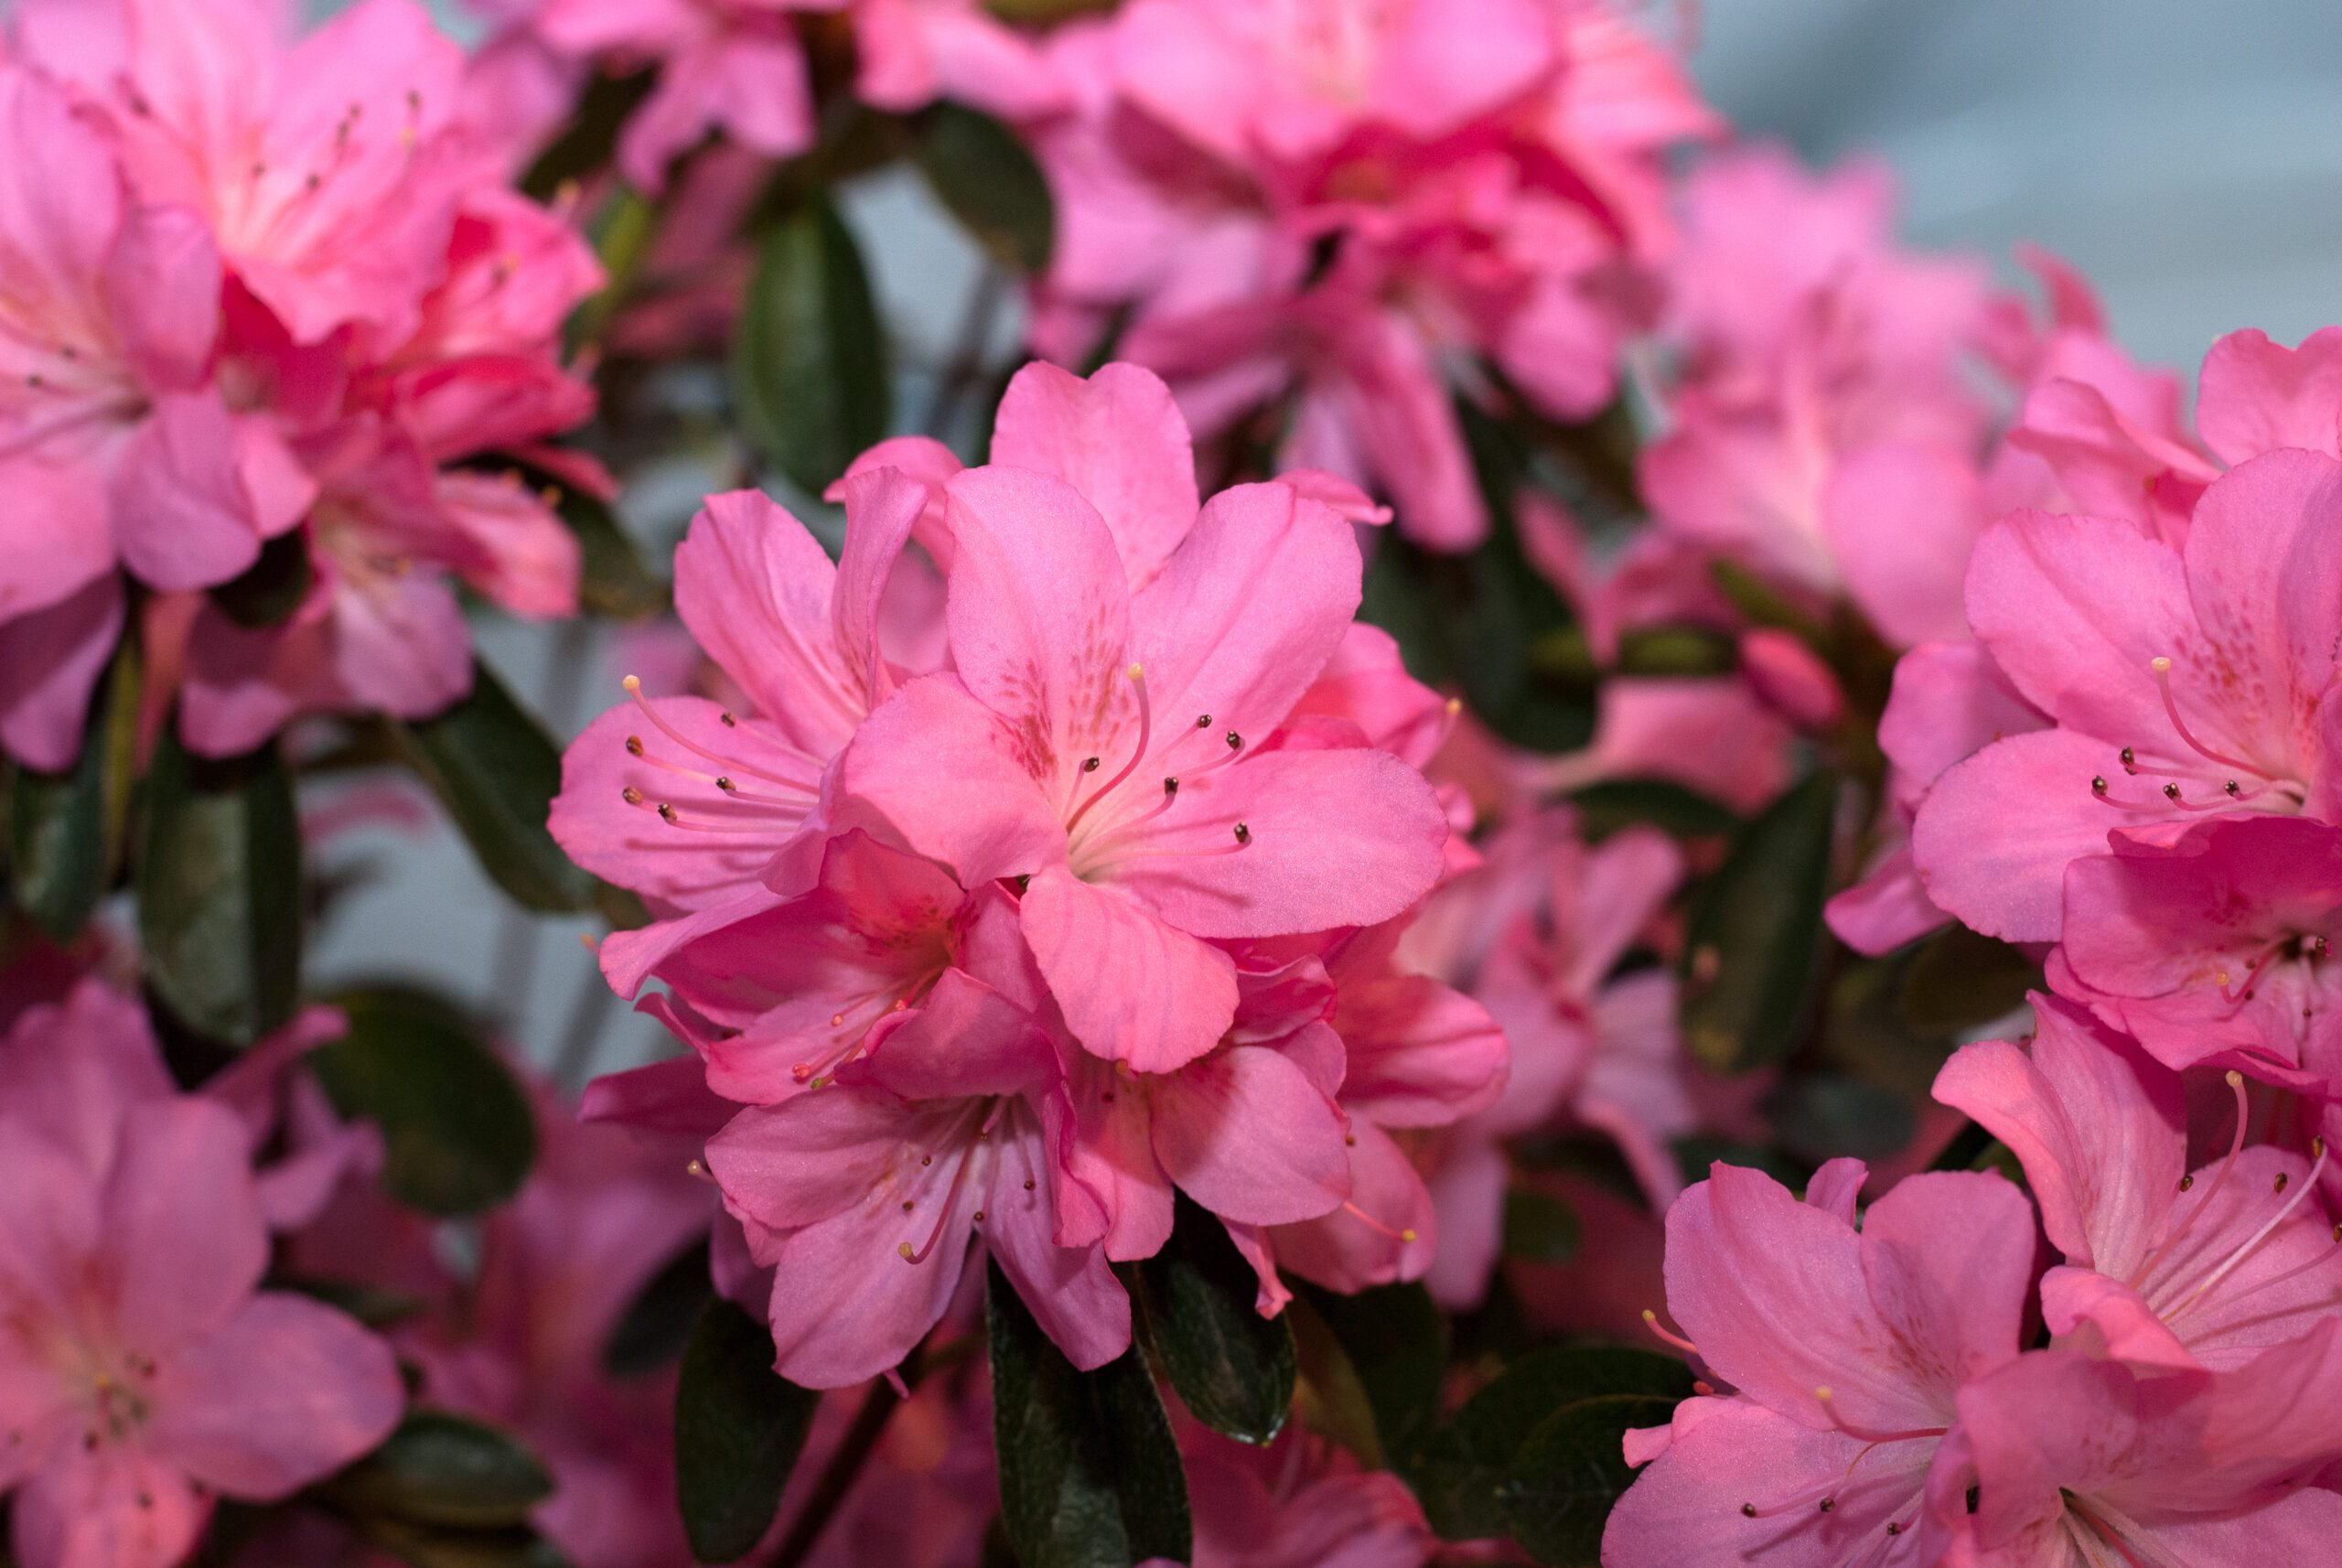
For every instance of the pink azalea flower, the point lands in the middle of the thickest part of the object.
(1331, 203)
(1115, 749)
(1825, 432)
(2213, 948)
(144, 1370)
(1849, 1352)
(684, 801)
(2165, 1266)
(2176, 684)
(865, 1196)
(2079, 1461)
(1301, 1502)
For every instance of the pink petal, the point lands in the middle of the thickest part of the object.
(1248, 1135)
(287, 1393)
(183, 516)
(1070, 1291)
(881, 509)
(2257, 395)
(963, 1039)
(162, 284)
(74, 1069)
(1387, 1230)
(183, 1223)
(1901, 520)
(1992, 840)
(1132, 988)
(1119, 440)
(1421, 1054)
(2099, 1130)
(112, 1507)
(936, 772)
(820, 1155)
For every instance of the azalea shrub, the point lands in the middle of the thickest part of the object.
(1484, 838)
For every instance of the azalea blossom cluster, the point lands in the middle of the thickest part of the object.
(1016, 930)
(1323, 222)
(276, 331)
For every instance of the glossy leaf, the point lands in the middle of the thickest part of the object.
(497, 771)
(1193, 1308)
(1962, 980)
(1395, 1340)
(657, 1324)
(1752, 953)
(1464, 1479)
(457, 1128)
(981, 170)
(1570, 1471)
(1330, 1395)
(1539, 1228)
(586, 147)
(66, 829)
(1611, 804)
(809, 365)
(1822, 1116)
(219, 882)
(435, 1546)
(441, 1468)
(1089, 1474)
(739, 1428)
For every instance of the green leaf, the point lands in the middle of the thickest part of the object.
(1396, 1341)
(1193, 1303)
(809, 365)
(272, 587)
(440, 1469)
(1822, 1116)
(1961, 979)
(1465, 1478)
(1089, 1474)
(1539, 1228)
(373, 1307)
(66, 829)
(1474, 622)
(657, 1322)
(739, 1427)
(497, 771)
(1329, 1395)
(219, 882)
(458, 1129)
(1044, 12)
(435, 1546)
(592, 137)
(981, 171)
(1569, 1473)
(1611, 804)
(1752, 953)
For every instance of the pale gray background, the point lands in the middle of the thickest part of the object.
(2186, 153)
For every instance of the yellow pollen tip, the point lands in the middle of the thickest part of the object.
(902, 1250)
(1136, 671)
(585, 939)
(1824, 1393)
(1454, 706)
(1408, 1234)
(2235, 1079)
(2158, 664)
(1649, 1316)
(632, 682)
(695, 1167)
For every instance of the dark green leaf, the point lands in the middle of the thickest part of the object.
(1194, 1305)
(374, 1307)
(440, 1469)
(1044, 12)
(1569, 1472)
(437, 1546)
(1463, 1478)
(1823, 1116)
(1752, 955)
(65, 830)
(1329, 1395)
(809, 365)
(585, 147)
(1539, 1228)
(458, 1129)
(1089, 1474)
(1959, 980)
(272, 587)
(739, 1427)
(497, 771)
(981, 171)
(219, 883)
(1396, 1340)
(1606, 807)
(657, 1322)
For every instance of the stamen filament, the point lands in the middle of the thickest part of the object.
(1137, 674)
(633, 685)
(1667, 1336)
(2255, 1240)
(2162, 667)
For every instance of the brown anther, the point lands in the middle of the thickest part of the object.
(2130, 761)
(667, 813)
(2171, 791)
(1089, 765)
(2187, 1183)
(727, 720)
(2279, 1184)
(630, 795)
(980, 1217)
(1748, 1510)
(1235, 741)
(1203, 720)
(2098, 785)
(907, 1206)
(927, 1159)
(2232, 786)
(723, 782)
(634, 746)
(1170, 785)
(1028, 1184)
(1828, 1504)
(1243, 833)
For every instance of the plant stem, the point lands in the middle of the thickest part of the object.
(838, 1475)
